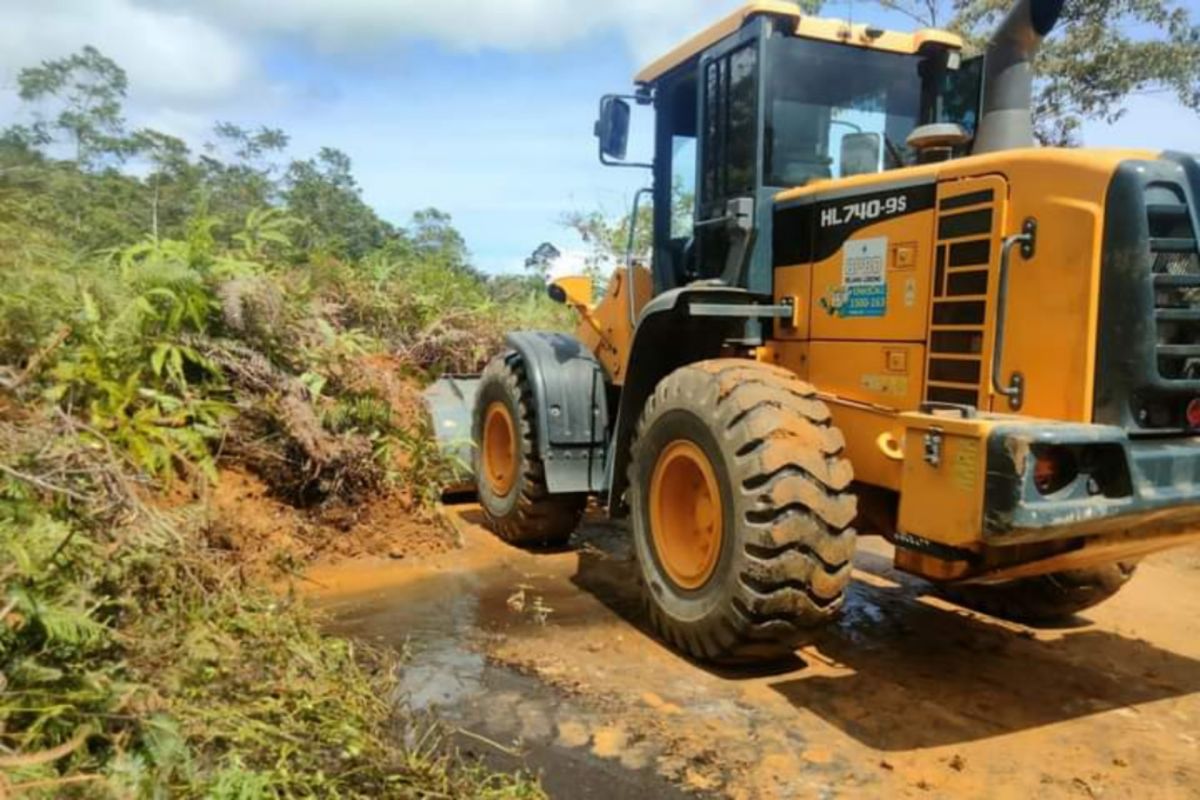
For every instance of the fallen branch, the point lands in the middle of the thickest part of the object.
(508, 751)
(22, 788)
(33, 480)
(47, 756)
(39, 358)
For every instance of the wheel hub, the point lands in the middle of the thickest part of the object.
(686, 520)
(499, 449)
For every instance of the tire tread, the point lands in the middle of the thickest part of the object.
(792, 484)
(539, 517)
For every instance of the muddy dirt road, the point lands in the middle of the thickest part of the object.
(542, 659)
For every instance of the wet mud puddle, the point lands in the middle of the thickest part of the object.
(542, 661)
(443, 622)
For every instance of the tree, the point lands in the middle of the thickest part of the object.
(434, 238)
(172, 182)
(323, 193)
(541, 260)
(607, 237)
(928, 13)
(1103, 53)
(246, 146)
(238, 172)
(233, 194)
(90, 90)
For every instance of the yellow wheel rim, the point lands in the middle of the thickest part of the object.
(499, 448)
(686, 521)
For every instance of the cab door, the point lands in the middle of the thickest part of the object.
(729, 158)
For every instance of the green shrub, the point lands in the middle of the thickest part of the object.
(134, 661)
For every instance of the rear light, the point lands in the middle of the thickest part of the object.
(1193, 413)
(1054, 470)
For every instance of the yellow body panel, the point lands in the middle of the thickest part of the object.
(606, 329)
(1053, 298)
(792, 355)
(829, 30)
(866, 385)
(876, 371)
(887, 377)
(908, 247)
(943, 501)
(1052, 307)
(836, 30)
(871, 433)
(577, 289)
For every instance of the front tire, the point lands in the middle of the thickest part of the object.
(741, 511)
(509, 475)
(1043, 598)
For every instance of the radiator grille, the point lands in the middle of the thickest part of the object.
(1175, 265)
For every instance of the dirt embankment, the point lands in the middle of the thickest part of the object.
(289, 497)
(270, 536)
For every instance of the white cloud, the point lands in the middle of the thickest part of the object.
(171, 56)
(571, 262)
(348, 25)
(186, 57)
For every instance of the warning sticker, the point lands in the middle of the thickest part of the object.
(864, 278)
(864, 262)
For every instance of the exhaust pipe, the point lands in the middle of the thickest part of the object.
(1007, 119)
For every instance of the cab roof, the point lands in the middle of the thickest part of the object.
(829, 30)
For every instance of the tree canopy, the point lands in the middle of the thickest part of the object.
(75, 167)
(1103, 53)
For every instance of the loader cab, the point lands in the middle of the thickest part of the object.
(770, 99)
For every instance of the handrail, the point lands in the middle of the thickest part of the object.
(631, 283)
(1015, 390)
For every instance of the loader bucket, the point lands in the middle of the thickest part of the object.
(451, 404)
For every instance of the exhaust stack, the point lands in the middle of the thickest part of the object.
(1007, 119)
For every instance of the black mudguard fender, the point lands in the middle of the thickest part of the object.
(677, 328)
(570, 393)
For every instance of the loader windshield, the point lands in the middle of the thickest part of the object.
(834, 110)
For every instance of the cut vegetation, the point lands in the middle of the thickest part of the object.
(223, 316)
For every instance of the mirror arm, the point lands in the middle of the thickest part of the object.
(610, 163)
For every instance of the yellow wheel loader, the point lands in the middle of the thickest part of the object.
(873, 307)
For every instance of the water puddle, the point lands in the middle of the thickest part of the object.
(442, 621)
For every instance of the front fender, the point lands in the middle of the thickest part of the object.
(570, 397)
(677, 328)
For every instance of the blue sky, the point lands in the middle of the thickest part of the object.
(482, 108)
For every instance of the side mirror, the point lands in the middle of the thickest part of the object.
(574, 290)
(861, 154)
(612, 129)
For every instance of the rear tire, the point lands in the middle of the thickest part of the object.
(512, 481)
(1043, 598)
(785, 544)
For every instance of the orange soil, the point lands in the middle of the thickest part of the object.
(269, 535)
(907, 696)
